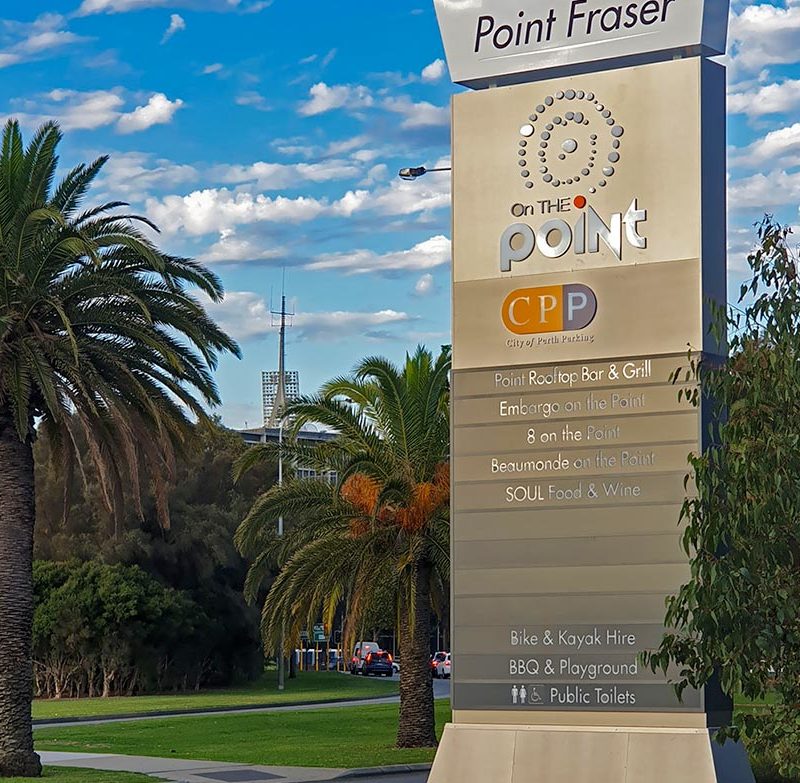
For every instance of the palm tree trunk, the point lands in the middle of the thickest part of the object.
(417, 726)
(17, 513)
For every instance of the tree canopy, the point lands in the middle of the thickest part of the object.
(386, 517)
(195, 558)
(104, 338)
(101, 333)
(739, 615)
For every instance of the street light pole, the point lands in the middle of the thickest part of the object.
(281, 672)
(277, 418)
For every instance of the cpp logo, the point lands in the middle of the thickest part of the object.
(554, 308)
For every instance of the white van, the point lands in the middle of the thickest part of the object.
(362, 650)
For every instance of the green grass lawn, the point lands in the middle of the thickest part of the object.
(309, 686)
(73, 775)
(342, 737)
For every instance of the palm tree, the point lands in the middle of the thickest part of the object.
(387, 515)
(100, 339)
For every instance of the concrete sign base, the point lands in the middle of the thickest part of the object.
(472, 753)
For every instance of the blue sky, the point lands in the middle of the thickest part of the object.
(267, 135)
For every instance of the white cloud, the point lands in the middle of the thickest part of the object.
(430, 193)
(253, 99)
(134, 175)
(231, 248)
(274, 176)
(242, 314)
(429, 254)
(212, 68)
(326, 170)
(159, 110)
(762, 192)
(777, 148)
(294, 149)
(343, 324)
(218, 209)
(89, 7)
(34, 40)
(176, 23)
(74, 110)
(378, 173)
(255, 8)
(764, 35)
(426, 285)
(324, 98)
(51, 39)
(741, 242)
(77, 110)
(86, 110)
(434, 72)
(346, 145)
(418, 115)
(351, 202)
(215, 209)
(245, 315)
(367, 155)
(776, 98)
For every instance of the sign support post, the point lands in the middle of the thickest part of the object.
(588, 248)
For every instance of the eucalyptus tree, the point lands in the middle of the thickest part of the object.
(386, 516)
(102, 336)
(738, 617)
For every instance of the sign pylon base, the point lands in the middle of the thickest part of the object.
(473, 753)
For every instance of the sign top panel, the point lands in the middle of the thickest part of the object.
(497, 42)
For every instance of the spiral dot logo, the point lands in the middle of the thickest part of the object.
(570, 138)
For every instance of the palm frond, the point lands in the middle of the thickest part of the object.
(387, 514)
(99, 330)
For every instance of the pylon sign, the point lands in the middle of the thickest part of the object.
(588, 253)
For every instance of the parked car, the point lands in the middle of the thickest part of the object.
(379, 663)
(443, 668)
(362, 650)
(396, 666)
(436, 659)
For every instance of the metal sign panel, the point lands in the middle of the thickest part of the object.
(588, 240)
(319, 633)
(495, 42)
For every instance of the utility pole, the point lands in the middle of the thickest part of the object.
(276, 419)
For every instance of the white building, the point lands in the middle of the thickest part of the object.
(308, 437)
(269, 390)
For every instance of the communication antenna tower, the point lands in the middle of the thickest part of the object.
(282, 319)
(279, 318)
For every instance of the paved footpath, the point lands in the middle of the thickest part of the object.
(183, 771)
